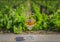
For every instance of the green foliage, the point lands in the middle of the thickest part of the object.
(13, 15)
(10, 17)
(56, 20)
(37, 15)
(18, 29)
(41, 19)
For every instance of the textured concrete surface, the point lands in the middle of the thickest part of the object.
(30, 38)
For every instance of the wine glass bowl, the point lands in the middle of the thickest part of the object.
(30, 23)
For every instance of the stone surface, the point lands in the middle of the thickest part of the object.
(30, 38)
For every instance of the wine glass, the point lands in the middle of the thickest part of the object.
(30, 23)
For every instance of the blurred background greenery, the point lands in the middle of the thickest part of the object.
(13, 15)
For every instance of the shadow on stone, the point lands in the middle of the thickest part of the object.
(18, 39)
